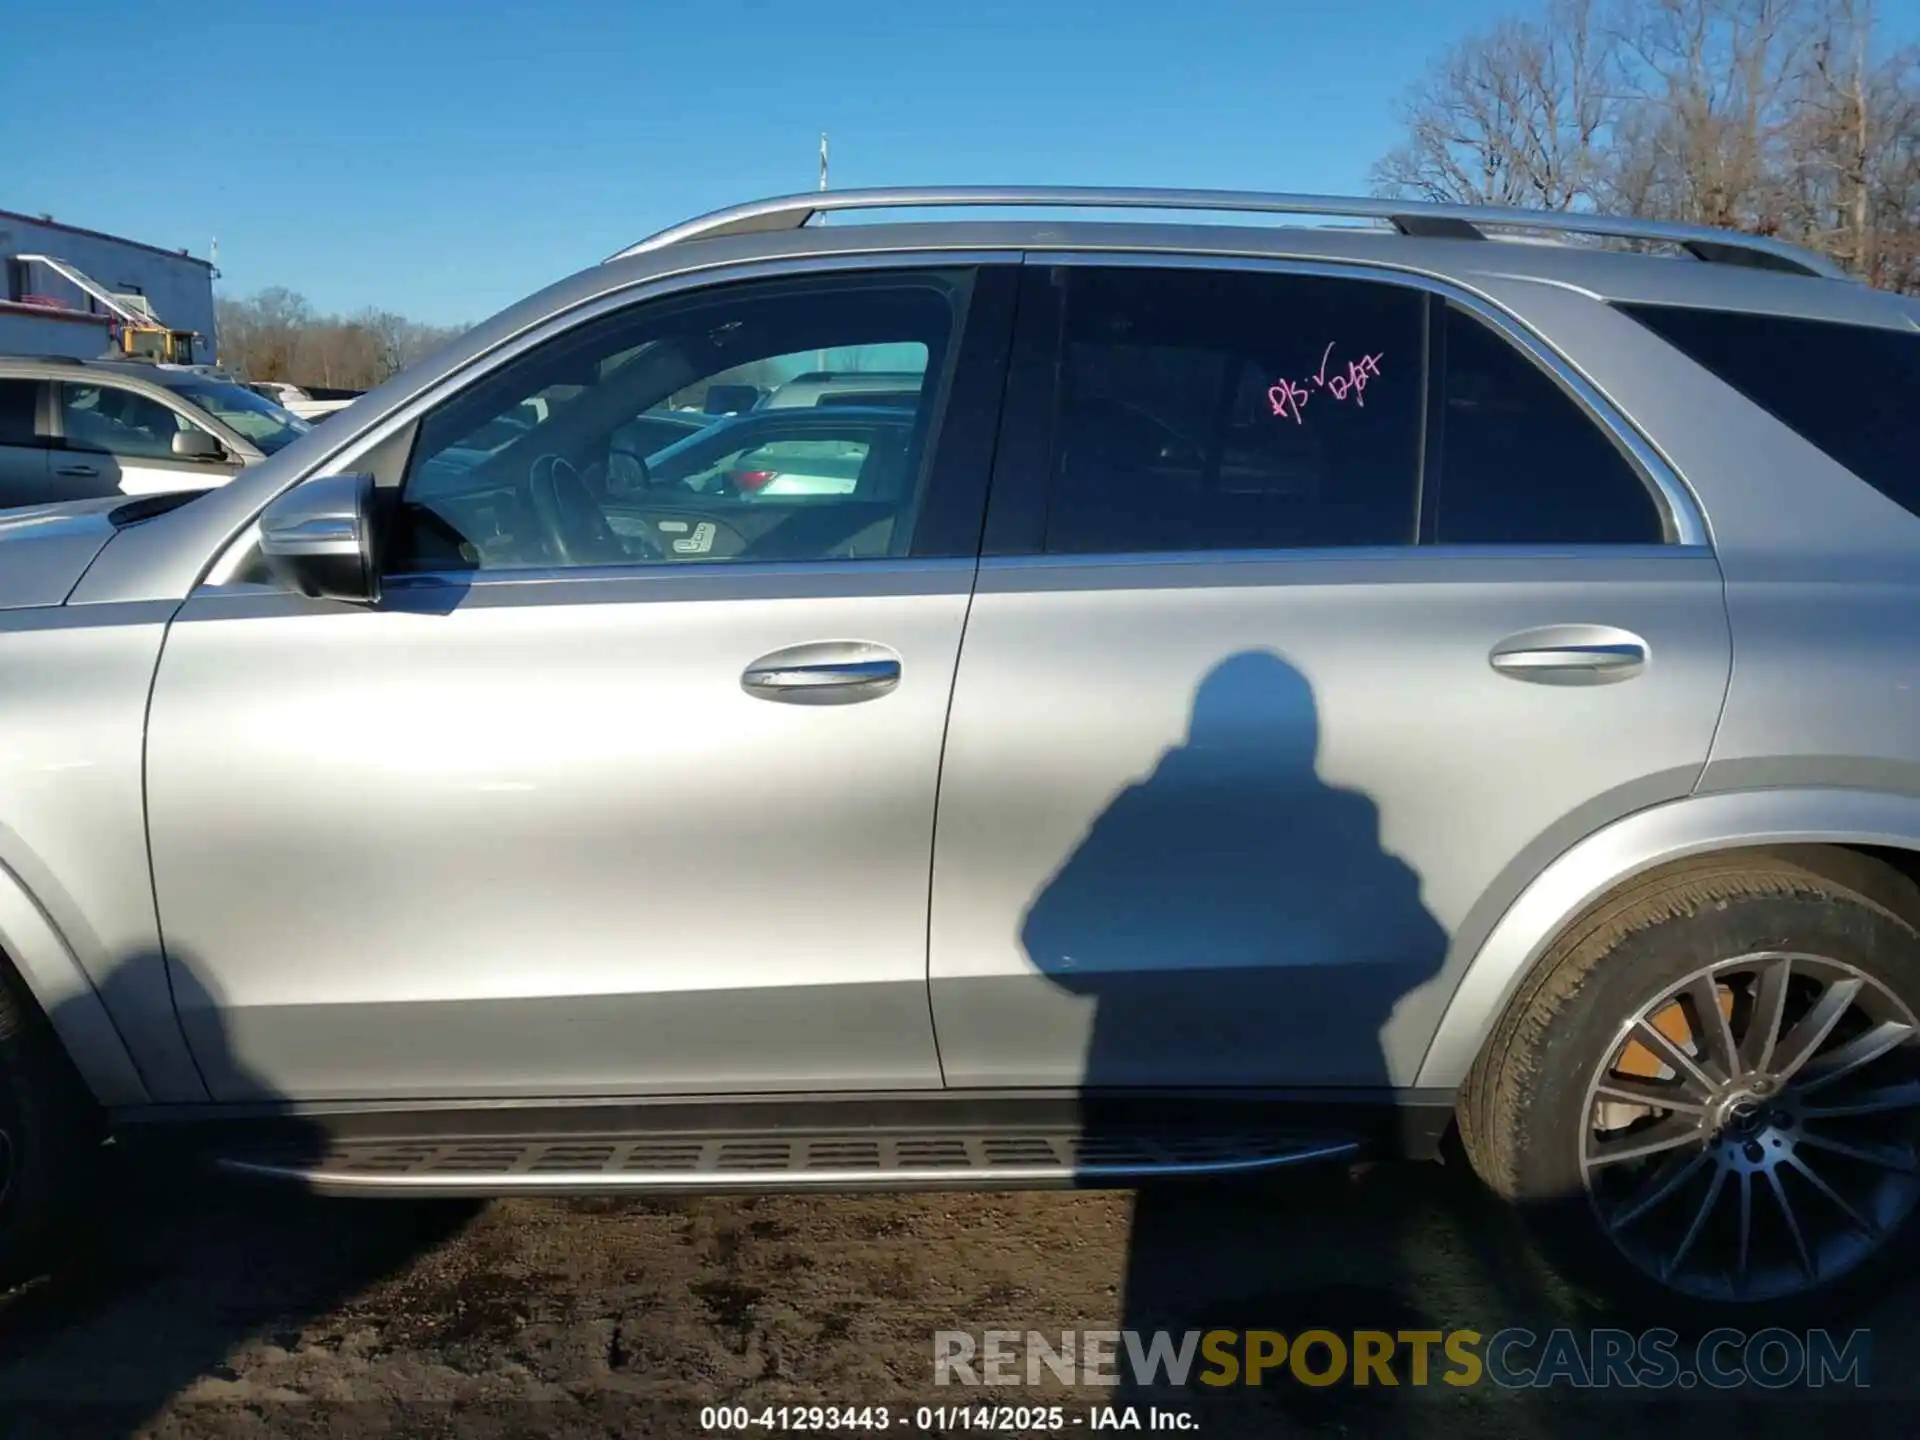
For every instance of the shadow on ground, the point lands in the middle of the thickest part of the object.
(205, 1309)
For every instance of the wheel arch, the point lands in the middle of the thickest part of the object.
(50, 976)
(1866, 821)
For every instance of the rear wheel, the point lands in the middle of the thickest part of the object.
(1710, 1092)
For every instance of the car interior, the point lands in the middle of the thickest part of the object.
(113, 421)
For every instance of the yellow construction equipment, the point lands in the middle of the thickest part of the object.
(137, 332)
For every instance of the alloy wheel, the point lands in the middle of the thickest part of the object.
(1751, 1134)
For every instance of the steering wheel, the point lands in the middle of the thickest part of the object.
(576, 527)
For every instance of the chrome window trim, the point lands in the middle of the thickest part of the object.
(641, 583)
(1352, 554)
(551, 574)
(1682, 510)
(230, 555)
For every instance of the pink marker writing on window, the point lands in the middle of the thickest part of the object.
(1289, 399)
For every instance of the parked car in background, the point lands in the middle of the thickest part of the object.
(827, 387)
(1281, 696)
(770, 453)
(72, 429)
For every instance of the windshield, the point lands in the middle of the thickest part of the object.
(254, 417)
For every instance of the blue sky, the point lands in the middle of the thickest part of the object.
(442, 158)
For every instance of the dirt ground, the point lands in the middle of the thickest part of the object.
(203, 1308)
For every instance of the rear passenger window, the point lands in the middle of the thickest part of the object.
(1850, 389)
(1518, 462)
(1205, 410)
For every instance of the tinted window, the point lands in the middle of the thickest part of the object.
(1518, 462)
(120, 422)
(1204, 410)
(1850, 389)
(598, 448)
(16, 411)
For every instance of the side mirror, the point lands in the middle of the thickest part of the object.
(318, 539)
(197, 445)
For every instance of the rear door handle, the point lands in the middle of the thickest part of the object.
(78, 471)
(824, 672)
(1570, 655)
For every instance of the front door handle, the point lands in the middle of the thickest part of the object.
(1570, 655)
(824, 672)
(77, 471)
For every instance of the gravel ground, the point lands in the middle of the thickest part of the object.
(197, 1308)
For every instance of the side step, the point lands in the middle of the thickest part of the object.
(852, 1159)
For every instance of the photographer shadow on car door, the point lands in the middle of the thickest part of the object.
(1229, 905)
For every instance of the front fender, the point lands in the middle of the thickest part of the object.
(1696, 825)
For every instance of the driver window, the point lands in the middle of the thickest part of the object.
(780, 421)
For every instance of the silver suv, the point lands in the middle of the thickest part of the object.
(1288, 694)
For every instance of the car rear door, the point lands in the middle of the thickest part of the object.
(1316, 611)
(576, 812)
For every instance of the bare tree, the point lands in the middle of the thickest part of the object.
(1710, 95)
(266, 330)
(399, 341)
(1854, 148)
(1514, 116)
(1780, 117)
(275, 335)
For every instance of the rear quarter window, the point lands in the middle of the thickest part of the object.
(1852, 390)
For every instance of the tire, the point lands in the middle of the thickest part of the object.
(48, 1135)
(1792, 936)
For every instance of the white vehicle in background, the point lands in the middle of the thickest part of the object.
(847, 387)
(278, 391)
(307, 403)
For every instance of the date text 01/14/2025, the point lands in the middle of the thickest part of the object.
(941, 1419)
(1289, 399)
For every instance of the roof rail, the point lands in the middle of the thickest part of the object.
(1409, 217)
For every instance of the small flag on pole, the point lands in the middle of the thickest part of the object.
(823, 159)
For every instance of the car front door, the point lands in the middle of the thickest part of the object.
(574, 810)
(115, 440)
(1313, 610)
(23, 449)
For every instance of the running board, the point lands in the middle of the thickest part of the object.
(738, 1161)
